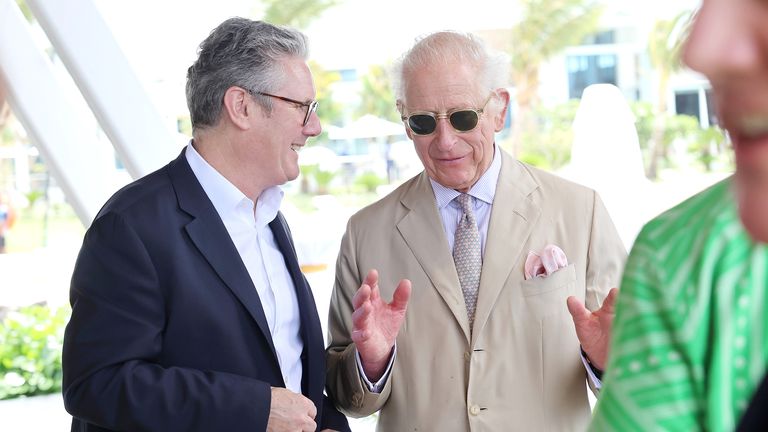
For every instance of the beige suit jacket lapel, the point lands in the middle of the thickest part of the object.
(422, 230)
(513, 218)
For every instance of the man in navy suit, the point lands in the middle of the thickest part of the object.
(189, 311)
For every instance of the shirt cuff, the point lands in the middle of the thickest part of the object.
(595, 375)
(378, 385)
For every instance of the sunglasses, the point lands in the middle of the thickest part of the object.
(311, 106)
(462, 119)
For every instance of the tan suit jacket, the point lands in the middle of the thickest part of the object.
(520, 368)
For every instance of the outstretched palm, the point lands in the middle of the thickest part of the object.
(375, 323)
(594, 328)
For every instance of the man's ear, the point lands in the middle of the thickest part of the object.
(400, 107)
(498, 120)
(237, 109)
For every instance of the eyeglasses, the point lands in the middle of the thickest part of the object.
(462, 119)
(311, 105)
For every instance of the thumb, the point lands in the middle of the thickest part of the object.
(609, 304)
(577, 309)
(401, 295)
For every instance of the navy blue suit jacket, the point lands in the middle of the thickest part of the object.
(167, 330)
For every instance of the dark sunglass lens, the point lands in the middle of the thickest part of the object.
(422, 124)
(464, 121)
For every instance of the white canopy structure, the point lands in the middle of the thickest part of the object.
(367, 126)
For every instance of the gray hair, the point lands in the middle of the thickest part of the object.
(239, 52)
(445, 47)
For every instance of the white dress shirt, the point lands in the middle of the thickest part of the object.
(247, 225)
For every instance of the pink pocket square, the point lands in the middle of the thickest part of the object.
(551, 259)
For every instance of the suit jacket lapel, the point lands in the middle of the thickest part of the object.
(422, 230)
(312, 360)
(513, 218)
(208, 234)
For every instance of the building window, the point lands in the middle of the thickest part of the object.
(696, 103)
(687, 103)
(607, 37)
(585, 70)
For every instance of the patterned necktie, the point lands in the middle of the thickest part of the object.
(467, 255)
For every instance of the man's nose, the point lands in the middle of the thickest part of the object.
(722, 41)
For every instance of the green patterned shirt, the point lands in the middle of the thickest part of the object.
(690, 337)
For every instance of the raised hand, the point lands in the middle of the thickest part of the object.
(594, 328)
(290, 411)
(375, 323)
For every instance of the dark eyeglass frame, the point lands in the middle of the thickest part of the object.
(449, 116)
(311, 106)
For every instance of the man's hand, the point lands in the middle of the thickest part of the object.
(290, 411)
(594, 328)
(375, 324)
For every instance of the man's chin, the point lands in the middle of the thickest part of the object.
(754, 217)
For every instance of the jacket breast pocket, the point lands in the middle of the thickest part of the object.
(545, 296)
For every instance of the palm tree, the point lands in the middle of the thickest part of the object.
(376, 95)
(295, 13)
(665, 43)
(545, 29)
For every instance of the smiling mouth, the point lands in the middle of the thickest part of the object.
(448, 160)
(752, 128)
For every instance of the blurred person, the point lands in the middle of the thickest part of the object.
(690, 342)
(7, 219)
(189, 311)
(477, 335)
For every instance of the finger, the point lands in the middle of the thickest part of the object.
(372, 279)
(309, 426)
(577, 310)
(609, 304)
(360, 317)
(375, 293)
(311, 408)
(401, 296)
(362, 295)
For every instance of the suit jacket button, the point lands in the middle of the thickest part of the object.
(474, 410)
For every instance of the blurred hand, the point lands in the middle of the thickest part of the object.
(290, 412)
(375, 323)
(594, 328)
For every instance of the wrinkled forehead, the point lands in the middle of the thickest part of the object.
(455, 85)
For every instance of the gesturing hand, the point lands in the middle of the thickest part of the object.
(290, 411)
(375, 323)
(594, 328)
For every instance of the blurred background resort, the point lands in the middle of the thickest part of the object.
(599, 96)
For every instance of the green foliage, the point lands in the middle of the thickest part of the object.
(665, 42)
(31, 339)
(369, 181)
(34, 196)
(710, 149)
(376, 96)
(321, 178)
(295, 13)
(549, 26)
(329, 111)
(184, 124)
(548, 146)
(546, 28)
(707, 146)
